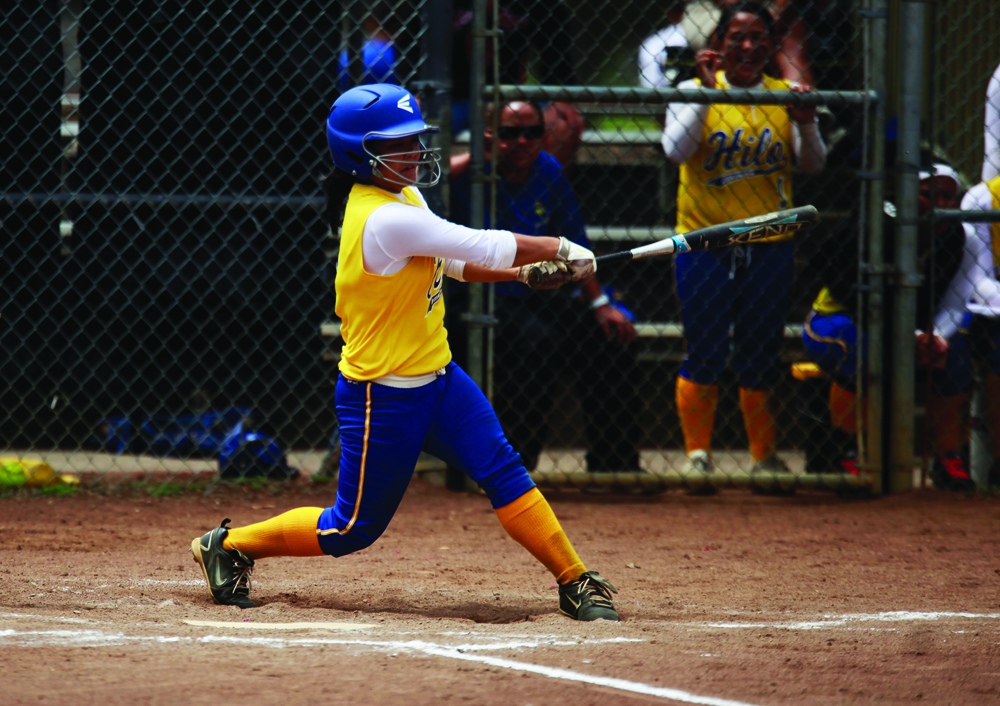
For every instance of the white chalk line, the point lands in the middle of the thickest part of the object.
(609, 682)
(465, 652)
(831, 621)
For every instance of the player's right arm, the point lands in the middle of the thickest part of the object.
(979, 198)
(570, 263)
(394, 233)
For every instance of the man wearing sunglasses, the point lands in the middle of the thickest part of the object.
(547, 340)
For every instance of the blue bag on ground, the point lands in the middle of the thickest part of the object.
(226, 435)
(247, 454)
(188, 436)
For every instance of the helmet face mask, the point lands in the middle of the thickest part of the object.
(386, 166)
(380, 111)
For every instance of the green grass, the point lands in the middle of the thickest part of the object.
(58, 490)
(626, 123)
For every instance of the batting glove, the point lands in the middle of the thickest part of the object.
(580, 260)
(550, 274)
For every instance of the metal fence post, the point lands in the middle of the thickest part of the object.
(477, 157)
(907, 278)
(874, 446)
(475, 317)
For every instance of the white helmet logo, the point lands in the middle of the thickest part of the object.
(404, 104)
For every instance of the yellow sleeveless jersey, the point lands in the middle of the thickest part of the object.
(994, 186)
(390, 324)
(742, 167)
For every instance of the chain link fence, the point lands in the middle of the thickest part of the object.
(962, 129)
(587, 411)
(168, 272)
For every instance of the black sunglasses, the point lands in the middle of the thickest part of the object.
(513, 132)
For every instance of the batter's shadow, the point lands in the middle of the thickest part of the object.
(477, 612)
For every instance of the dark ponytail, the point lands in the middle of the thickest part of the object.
(337, 186)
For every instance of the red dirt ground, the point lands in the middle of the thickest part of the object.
(806, 600)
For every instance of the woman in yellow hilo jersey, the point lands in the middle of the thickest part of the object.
(398, 391)
(735, 161)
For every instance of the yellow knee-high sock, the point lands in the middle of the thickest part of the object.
(843, 409)
(696, 408)
(946, 421)
(531, 523)
(290, 534)
(759, 422)
(993, 410)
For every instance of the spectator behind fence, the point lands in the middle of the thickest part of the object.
(666, 58)
(736, 162)
(378, 55)
(535, 37)
(991, 130)
(790, 58)
(948, 257)
(547, 338)
(986, 196)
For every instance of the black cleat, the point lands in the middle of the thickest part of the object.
(227, 571)
(588, 598)
(770, 486)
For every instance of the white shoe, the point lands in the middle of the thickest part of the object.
(699, 465)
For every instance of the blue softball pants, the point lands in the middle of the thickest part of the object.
(746, 288)
(831, 341)
(384, 429)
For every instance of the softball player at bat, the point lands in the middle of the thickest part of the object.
(399, 391)
(735, 162)
(985, 239)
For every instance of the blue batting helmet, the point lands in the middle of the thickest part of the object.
(378, 111)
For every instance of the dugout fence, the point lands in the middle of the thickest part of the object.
(168, 273)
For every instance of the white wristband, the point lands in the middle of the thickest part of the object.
(600, 301)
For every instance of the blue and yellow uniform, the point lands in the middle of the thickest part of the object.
(394, 326)
(399, 392)
(742, 167)
(994, 325)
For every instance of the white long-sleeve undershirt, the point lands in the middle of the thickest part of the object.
(685, 123)
(982, 275)
(652, 52)
(395, 233)
(955, 302)
(991, 129)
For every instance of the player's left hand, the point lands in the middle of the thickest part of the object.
(805, 113)
(550, 274)
(581, 261)
(616, 326)
(932, 351)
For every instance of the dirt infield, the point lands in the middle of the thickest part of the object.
(734, 599)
